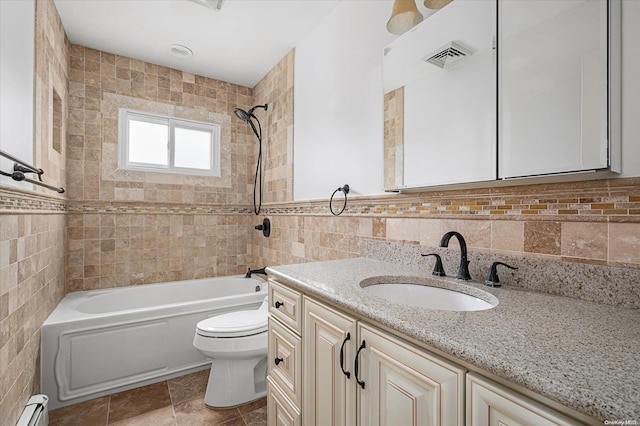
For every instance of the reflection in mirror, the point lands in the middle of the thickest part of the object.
(553, 86)
(440, 99)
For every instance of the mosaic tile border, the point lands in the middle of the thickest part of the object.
(155, 208)
(12, 201)
(584, 201)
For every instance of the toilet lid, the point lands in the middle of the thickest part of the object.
(234, 324)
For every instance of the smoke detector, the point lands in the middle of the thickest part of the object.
(448, 55)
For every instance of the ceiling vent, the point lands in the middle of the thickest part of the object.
(448, 55)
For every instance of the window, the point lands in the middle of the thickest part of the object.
(165, 144)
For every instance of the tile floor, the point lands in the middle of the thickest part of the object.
(175, 402)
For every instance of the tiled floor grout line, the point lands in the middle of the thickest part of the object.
(108, 409)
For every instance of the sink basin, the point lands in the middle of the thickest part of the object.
(418, 292)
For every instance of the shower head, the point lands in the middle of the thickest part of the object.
(242, 114)
(246, 116)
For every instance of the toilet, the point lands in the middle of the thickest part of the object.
(237, 342)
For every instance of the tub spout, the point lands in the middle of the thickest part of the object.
(255, 271)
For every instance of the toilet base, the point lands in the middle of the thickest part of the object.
(235, 382)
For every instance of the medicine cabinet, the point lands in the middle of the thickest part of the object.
(495, 90)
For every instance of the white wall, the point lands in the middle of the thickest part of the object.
(17, 34)
(338, 130)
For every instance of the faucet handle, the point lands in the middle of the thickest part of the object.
(438, 270)
(492, 277)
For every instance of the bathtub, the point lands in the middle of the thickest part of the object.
(100, 342)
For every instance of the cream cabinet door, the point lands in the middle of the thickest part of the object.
(489, 404)
(284, 361)
(280, 411)
(400, 385)
(329, 393)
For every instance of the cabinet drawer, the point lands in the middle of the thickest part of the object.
(285, 361)
(280, 411)
(489, 404)
(286, 305)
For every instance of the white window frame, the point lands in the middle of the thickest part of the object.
(125, 115)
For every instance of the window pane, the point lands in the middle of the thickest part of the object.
(148, 143)
(192, 148)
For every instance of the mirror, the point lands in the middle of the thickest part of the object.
(553, 87)
(545, 102)
(440, 99)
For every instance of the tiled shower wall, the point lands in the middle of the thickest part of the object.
(132, 227)
(32, 229)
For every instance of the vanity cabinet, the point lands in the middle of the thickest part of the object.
(491, 404)
(342, 371)
(329, 388)
(402, 385)
(284, 356)
(354, 373)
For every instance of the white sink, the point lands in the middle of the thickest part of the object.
(429, 297)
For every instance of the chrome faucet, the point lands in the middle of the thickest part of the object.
(463, 269)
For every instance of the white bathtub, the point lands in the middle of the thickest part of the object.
(104, 341)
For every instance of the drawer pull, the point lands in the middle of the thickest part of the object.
(357, 364)
(346, 373)
(278, 360)
(278, 304)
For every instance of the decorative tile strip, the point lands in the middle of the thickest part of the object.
(154, 208)
(17, 201)
(582, 201)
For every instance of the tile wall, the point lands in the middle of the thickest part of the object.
(32, 228)
(133, 227)
(276, 89)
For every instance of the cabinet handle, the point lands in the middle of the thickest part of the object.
(278, 360)
(278, 304)
(346, 373)
(357, 364)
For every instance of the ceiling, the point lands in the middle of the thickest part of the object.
(239, 43)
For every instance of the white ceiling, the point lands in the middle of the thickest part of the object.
(239, 44)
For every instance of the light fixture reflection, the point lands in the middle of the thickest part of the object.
(405, 15)
(436, 4)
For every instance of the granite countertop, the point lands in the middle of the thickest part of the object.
(584, 355)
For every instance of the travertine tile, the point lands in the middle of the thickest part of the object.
(585, 240)
(507, 235)
(137, 402)
(624, 243)
(91, 412)
(542, 237)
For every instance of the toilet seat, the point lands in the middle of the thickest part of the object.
(234, 324)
